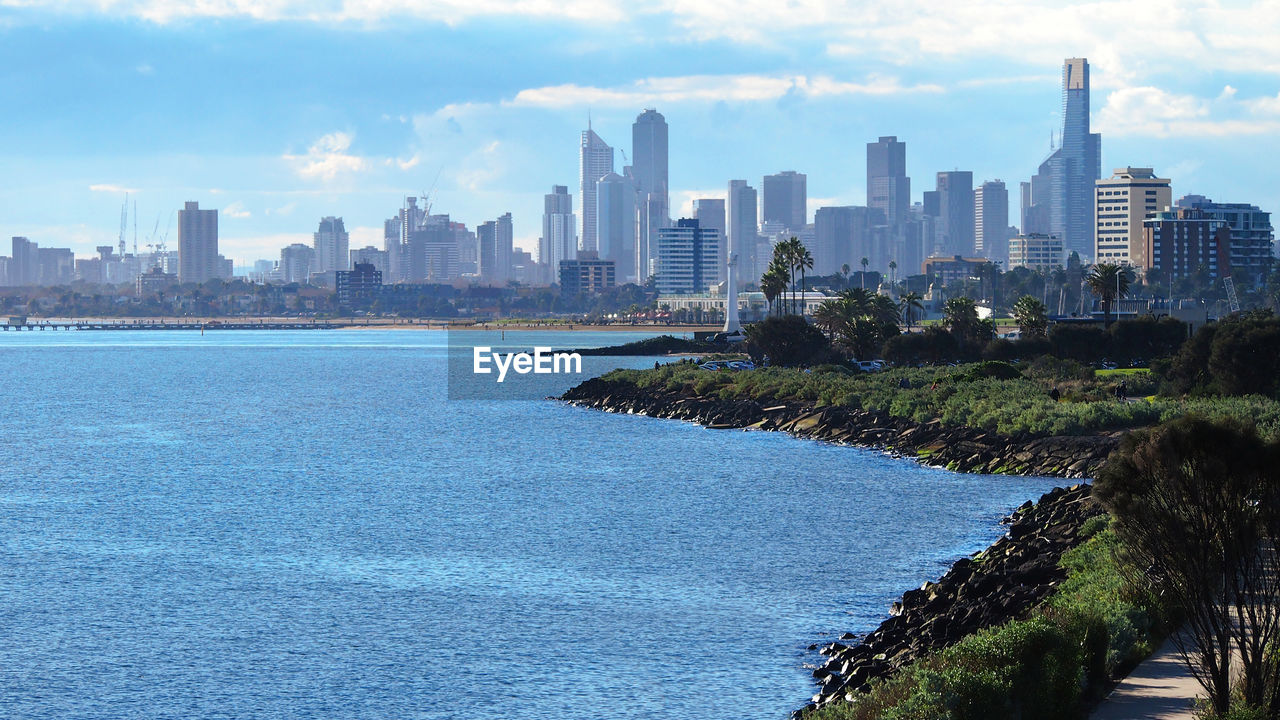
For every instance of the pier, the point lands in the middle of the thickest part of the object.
(167, 325)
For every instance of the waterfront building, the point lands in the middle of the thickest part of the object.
(955, 212)
(197, 244)
(1251, 235)
(785, 199)
(991, 220)
(741, 231)
(362, 282)
(558, 243)
(888, 187)
(1179, 242)
(1035, 251)
(1124, 201)
(331, 243)
(595, 160)
(687, 256)
(587, 274)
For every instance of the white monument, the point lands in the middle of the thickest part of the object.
(731, 324)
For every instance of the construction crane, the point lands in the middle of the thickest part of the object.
(1232, 299)
(124, 222)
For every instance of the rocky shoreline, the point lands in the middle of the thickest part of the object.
(996, 585)
(992, 587)
(956, 448)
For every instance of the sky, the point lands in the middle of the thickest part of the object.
(280, 112)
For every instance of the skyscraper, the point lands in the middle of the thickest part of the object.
(595, 158)
(991, 220)
(742, 232)
(24, 265)
(649, 171)
(888, 187)
(709, 212)
(197, 244)
(1123, 202)
(487, 255)
(955, 212)
(558, 243)
(505, 239)
(686, 257)
(1065, 207)
(616, 224)
(786, 199)
(331, 243)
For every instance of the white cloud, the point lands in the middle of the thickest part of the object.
(481, 168)
(236, 210)
(682, 200)
(111, 188)
(707, 88)
(1154, 112)
(328, 158)
(364, 236)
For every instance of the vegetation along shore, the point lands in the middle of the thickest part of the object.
(1173, 537)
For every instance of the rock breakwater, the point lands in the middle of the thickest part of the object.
(958, 448)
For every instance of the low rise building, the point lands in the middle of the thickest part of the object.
(1035, 251)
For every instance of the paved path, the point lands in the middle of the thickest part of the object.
(1160, 688)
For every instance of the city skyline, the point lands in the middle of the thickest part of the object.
(739, 101)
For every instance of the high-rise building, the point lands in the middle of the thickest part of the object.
(1059, 200)
(785, 199)
(649, 172)
(1179, 242)
(742, 231)
(24, 264)
(616, 224)
(1251, 235)
(1124, 201)
(844, 235)
(371, 255)
(297, 261)
(709, 212)
(430, 254)
(558, 242)
(888, 187)
(991, 220)
(391, 246)
(197, 244)
(587, 274)
(331, 245)
(487, 245)
(595, 159)
(505, 246)
(955, 212)
(687, 257)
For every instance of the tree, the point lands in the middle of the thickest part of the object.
(774, 283)
(787, 341)
(960, 317)
(893, 271)
(1032, 317)
(804, 261)
(1196, 510)
(912, 306)
(1109, 282)
(864, 273)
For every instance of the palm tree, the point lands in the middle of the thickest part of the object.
(844, 270)
(804, 261)
(865, 262)
(773, 284)
(1109, 282)
(830, 315)
(784, 263)
(910, 303)
(1032, 316)
(893, 272)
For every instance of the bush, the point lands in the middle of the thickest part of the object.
(788, 341)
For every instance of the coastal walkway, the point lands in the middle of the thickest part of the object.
(1160, 688)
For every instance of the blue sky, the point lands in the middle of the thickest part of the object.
(280, 112)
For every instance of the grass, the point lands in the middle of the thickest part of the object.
(1050, 665)
(1125, 372)
(964, 396)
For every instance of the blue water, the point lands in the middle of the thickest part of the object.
(300, 525)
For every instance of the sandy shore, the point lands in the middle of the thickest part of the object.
(400, 324)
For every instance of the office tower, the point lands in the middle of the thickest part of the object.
(331, 244)
(1250, 250)
(296, 263)
(595, 159)
(431, 253)
(1128, 197)
(955, 212)
(391, 246)
(843, 235)
(742, 232)
(687, 255)
(1059, 200)
(558, 242)
(888, 187)
(56, 266)
(991, 220)
(649, 172)
(709, 213)
(505, 245)
(370, 255)
(1035, 251)
(24, 264)
(785, 199)
(197, 244)
(616, 225)
(487, 246)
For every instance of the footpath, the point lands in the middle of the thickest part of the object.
(1160, 688)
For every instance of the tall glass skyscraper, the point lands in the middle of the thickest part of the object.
(596, 160)
(1076, 165)
(649, 171)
